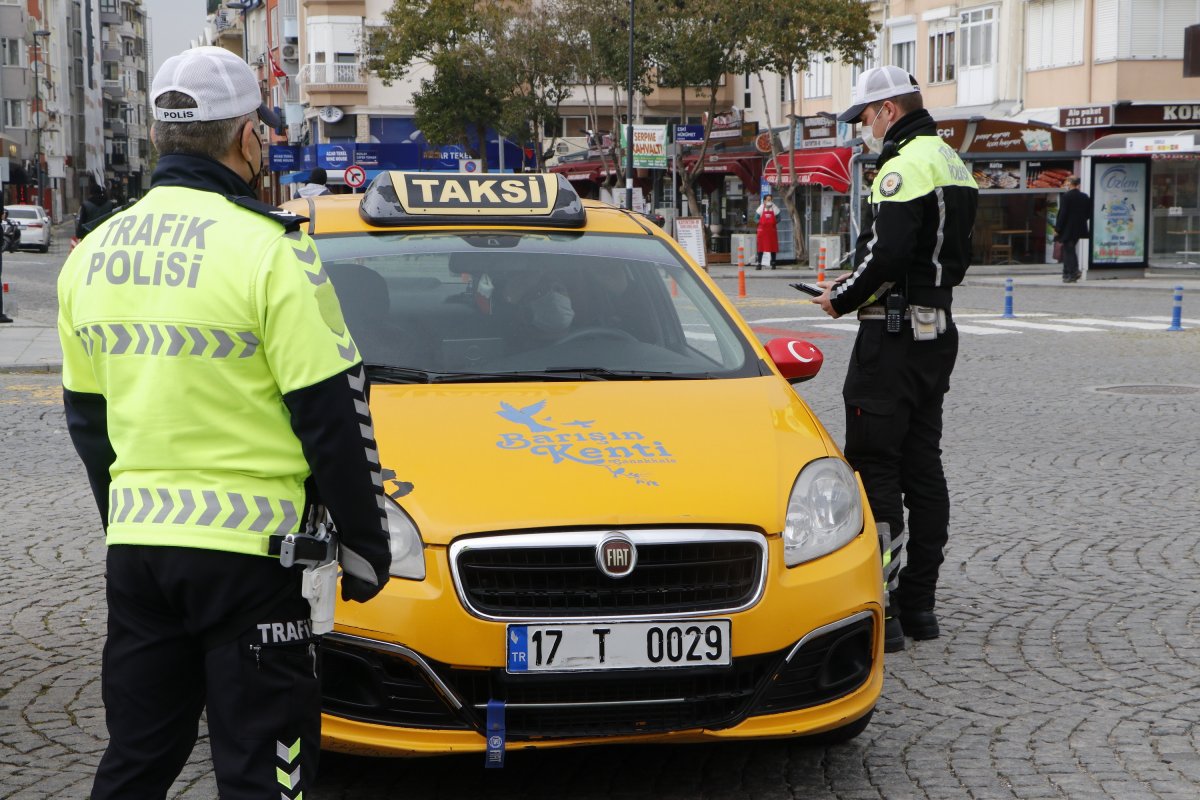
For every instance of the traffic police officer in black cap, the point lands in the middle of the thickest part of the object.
(912, 251)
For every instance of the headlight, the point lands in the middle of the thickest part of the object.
(824, 511)
(408, 551)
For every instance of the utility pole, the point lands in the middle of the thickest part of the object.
(37, 105)
(629, 121)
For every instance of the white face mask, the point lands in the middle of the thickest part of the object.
(870, 140)
(551, 312)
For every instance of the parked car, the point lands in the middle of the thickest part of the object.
(613, 518)
(34, 223)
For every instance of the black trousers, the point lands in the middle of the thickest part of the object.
(1070, 259)
(893, 393)
(193, 629)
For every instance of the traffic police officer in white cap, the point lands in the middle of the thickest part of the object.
(910, 254)
(218, 404)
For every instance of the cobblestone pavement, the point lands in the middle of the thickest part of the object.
(1069, 665)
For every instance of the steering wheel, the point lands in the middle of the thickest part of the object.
(594, 332)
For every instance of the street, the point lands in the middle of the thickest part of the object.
(1069, 661)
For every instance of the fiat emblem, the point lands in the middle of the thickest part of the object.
(616, 556)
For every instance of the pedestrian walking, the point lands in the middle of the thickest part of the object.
(316, 184)
(93, 209)
(767, 217)
(1074, 222)
(217, 403)
(913, 250)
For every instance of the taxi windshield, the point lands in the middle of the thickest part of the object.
(499, 305)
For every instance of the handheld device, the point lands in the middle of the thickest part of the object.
(808, 288)
(894, 313)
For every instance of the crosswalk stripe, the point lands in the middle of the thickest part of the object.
(1167, 320)
(1040, 326)
(1116, 323)
(838, 326)
(979, 331)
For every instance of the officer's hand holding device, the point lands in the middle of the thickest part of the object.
(809, 289)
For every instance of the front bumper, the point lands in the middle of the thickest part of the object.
(807, 658)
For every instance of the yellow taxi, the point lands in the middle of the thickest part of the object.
(613, 518)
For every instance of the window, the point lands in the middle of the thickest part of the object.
(14, 114)
(976, 41)
(904, 47)
(869, 60)
(747, 92)
(109, 6)
(1054, 33)
(941, 53)
(1130, 29)
(10, 52)
(818, 79)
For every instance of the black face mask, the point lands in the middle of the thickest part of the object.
(256, 175)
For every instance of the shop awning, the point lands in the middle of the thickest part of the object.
(747, 167)
(594, 171)
(828, 167)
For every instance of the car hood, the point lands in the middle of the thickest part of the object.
(498, 457)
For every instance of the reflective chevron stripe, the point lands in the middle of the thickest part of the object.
(353, 563)
(143, 338)
(227, 510)
(288, 780)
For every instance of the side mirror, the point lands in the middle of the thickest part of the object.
(797, 360)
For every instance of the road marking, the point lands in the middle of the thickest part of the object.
(975, 329)
(1167, 320)
(1040, 326)
(1116, 323)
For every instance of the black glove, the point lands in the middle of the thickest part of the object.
(361, 591)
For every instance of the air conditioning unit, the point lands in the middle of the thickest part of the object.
(289, 52)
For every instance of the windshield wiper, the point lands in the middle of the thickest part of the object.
(388, 373)
(603, 373)
(501, 377)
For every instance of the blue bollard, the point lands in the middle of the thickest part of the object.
(1008, 297)
(1177, 312)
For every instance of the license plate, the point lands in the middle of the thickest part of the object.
(573, 647)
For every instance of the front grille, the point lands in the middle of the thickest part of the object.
(365, 685)
(700, 574)
(615, 704)
(825, 668)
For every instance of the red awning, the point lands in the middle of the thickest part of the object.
(828, 167)
(746, 166)
(593, 171)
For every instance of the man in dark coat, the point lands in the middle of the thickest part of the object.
(94, 208)
(1073, 224)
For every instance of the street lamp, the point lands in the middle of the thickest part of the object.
(37, 105)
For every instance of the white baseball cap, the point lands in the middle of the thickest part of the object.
(223, 86)
(878, 83)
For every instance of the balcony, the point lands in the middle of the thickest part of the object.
(335, 76)
(114, 89)
(334, 84)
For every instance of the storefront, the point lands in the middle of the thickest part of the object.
(1154, 145)
(822, 179)
(1145, 199)
(727, 188)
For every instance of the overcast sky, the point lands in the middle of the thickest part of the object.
(173, 23)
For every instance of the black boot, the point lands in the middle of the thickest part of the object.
(920, 625)
(893, 635)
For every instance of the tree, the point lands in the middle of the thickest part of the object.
(784, 40)
(596, 35)
(496, 66)
(696, 43)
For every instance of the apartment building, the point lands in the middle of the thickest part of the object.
(125, 85)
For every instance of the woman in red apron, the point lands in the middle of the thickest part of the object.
(767, 215)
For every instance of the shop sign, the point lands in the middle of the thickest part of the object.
(1160, 144)
(727, 126)
(1169, 114)
(952, 131)
(1047, 174)
(649, 146)
(1085, 117)
(814, 132)
(998, 136)
(1119, 214)
(284, 158)
(997, 174)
